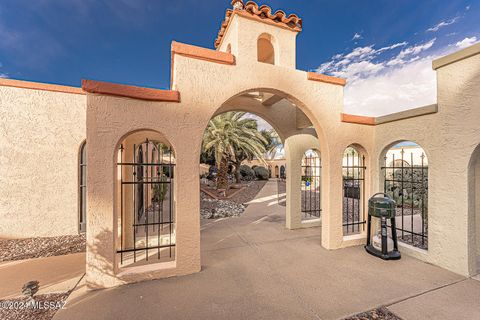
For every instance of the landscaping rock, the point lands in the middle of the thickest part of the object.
(375, 314)
(46, 307)
(214, 209)
(20, 249)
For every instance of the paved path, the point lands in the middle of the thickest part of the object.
(55, 274)
(254, 268)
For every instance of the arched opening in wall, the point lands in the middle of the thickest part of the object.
(474, 208)
(405, 179)
(251, 207)
(353, 172)
(265, 49)
(311, 185)
(82, 188)
(145, 199)
(237, 148)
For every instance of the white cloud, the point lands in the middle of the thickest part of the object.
(395, 89)
(3, 75)
(413, 50)
(467, 42)
(357, 36)
(380, 83)
(467, 7)
(442, 24)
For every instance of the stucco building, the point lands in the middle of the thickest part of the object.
(140, 193)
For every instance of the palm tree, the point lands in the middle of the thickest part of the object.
(273, 145)
(234, 138)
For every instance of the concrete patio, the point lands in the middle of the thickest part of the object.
(254, 268)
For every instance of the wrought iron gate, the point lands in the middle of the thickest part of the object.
(353, 192)
(146, 199)
(311, 185)
(406, 181)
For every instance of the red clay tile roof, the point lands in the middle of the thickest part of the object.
(292, 22)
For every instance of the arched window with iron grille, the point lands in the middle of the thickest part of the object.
(311, 185)
(405, 179)
(82, 188)
(353, 168)
(145, 170)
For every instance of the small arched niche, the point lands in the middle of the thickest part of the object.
(265, 49)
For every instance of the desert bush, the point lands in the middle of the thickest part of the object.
(247, 173)
(261, 173)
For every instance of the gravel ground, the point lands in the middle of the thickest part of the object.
(233, 207)
(19, 249)
(46, 307)
(413, 240)
(377, 314)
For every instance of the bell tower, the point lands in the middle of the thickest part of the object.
(255, 34)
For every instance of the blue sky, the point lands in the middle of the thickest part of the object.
(382, 47)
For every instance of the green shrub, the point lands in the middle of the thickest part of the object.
(159, 191)
(261, 173)
(247, 173)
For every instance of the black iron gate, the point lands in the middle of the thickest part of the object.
(353, 192)
(406, 181)
(311, 185)
(146, 199)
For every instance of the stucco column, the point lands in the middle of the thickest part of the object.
(332, 217)
(295, 147)
(187, 206)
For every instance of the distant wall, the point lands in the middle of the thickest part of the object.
(40, 135)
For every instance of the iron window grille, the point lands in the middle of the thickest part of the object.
(82, 189)
(311, 186)
(353, 192)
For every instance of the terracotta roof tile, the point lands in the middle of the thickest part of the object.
(292, 21)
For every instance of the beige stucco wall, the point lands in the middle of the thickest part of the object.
(40, 136)
(205, 87)
(448, 138)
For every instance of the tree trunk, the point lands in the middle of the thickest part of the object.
(222, 174)
(237, 171)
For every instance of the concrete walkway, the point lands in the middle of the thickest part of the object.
(254, 268)
(55, 274)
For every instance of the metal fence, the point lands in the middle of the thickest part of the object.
(311, 186)
(406, 181)
(146, 199)
(353, 192)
